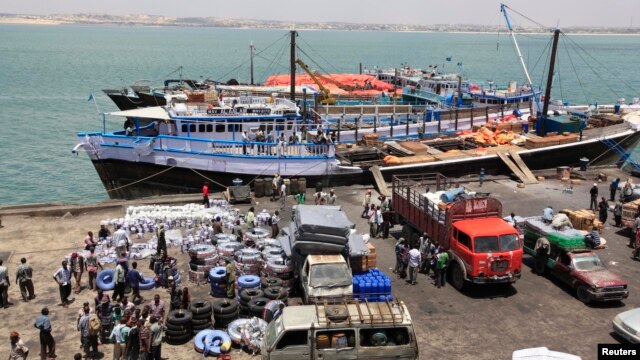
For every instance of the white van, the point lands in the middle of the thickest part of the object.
(351, 330)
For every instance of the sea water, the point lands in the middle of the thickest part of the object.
(47, 73)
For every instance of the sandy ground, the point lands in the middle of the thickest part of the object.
(477, 323)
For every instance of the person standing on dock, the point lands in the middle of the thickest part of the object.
(617, 214)
(121, 239)
(481, 176)
(332, 197)
(23, 279)
(103, 233)
(19, 351)
(92, 264)
(63, 278)
(373, 223)
(205, 194)
(603, 207)
(4, 286)
(231, 279)
(283, 195)
(162, 242)
(120, 281)
(441, 268)
(250, 219)
(366, 203)
(275, 183)
(47, 343)
(89, 241)
(593, 205)
(415, 259)
(613, 188)
(275, 229)
(77, 269)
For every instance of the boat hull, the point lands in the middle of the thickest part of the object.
(123, 102)
(130, 180)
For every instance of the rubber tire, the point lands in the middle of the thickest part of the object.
(248, 281)
(178, 333)
(233, 329)
(203, 327)
(218, 274)
(179, 317)
(148, 284)
(200, 307)
(270, 282)
(338, 313)
(224, 306)
(180, 340)
(276, 293)
(100, 280)
(256, 306)
(583, 294)
(539, 266)
(202, 316)
(197, 322)
(174, 327)
(457, 278)
(223, 317)
(247, 294)
(198, 340)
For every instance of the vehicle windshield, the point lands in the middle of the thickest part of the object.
(272, 332)
(330, 275)
(509, 242)
(485, 244)
(588, 263)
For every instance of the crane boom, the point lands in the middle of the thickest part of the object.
(325, 96)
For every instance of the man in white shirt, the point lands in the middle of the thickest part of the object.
(275, 228)
(121, 239)
(414, 263)
(378, 221)
(283, 195)
(63, 278)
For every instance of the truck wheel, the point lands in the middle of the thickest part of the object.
(583, 294)
(457, 278)
(539, 266)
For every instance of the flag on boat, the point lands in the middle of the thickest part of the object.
(90, 97)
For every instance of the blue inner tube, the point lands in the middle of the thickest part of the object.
(218, 274)
(248, 281)
(198, 340)
(216, 343)
(148, 283)
(106, 280)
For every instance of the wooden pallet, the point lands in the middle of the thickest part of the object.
(523, 167)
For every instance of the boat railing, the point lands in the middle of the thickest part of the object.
(285, 102)
(222, 147)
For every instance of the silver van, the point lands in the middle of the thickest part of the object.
(350, 330)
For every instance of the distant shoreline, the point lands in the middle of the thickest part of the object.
(152, 21)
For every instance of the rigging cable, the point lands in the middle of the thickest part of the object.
(319, 54)
(582, 89)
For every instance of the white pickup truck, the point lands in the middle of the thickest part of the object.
(325, 277)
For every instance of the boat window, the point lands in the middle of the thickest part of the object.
(464, 239)
(384, 336)
(230, 128)
(293, 338)
(269, 127)
(279, 126)
(209, 127)
(192, 127)
(220, 127)
(289, 126)
(201, 127)
(184, 128)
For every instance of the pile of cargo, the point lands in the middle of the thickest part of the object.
(567, 238)
(318, 230)
(536, 142)
(485, 136)
(372, 285)
(366, 262)
(583, 219)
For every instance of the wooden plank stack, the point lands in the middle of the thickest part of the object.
(582, 219)
(540, 142)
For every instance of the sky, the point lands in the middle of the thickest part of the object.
(612, 13)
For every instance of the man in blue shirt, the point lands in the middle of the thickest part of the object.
(47, 344)
(135, 278)
(63, 278)
(547, 215)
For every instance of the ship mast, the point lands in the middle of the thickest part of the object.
(292, 88)
(251, 60)
(503, 10)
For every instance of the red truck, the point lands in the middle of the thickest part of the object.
(482, 247)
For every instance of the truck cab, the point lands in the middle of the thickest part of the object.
(351, 330)
(325, 277)
(486, 250)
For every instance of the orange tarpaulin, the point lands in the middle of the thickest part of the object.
(355, 81)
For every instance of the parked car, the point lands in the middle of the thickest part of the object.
(627, 325)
